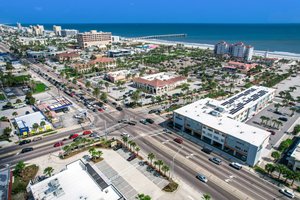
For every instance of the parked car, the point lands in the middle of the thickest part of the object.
(73, 136)
(114, 103)
(87, 132)
(283, 119)
(24, 142)
(132, 157)
(278, 113)
(119, 108)
(150, 121)
(143, 121)
(125, 121)
(272, 132)
(117, 147)
(178, 140)
(207, 150)
(132, 122)
(216, 160)
(236, 165)
(37, 138)
(58, 144)
(201, 177)
(287, 193)
(125, 134)
(28, 149)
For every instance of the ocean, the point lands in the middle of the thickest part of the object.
(268, 37)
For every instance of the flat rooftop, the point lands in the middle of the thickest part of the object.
(163, 76)
(245, 99)
(30, 119)
(296, 153)
(204, 112)
(77, 181)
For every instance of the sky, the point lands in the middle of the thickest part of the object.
(150, 11)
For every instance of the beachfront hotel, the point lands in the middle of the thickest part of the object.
(221, 123)
(159, 83)
(93, 38)
(238, 50)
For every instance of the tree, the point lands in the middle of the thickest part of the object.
(165, 169)
(106, 84)
(280, 168)
(296, 129)
(270, 168)
(287, 174)
(35, 126)
(100, 83)
(295, 177)
(293, 109)
(277, 106)
(15, 114)
(42, 123)
(48, 171)
(151, 157)
(143, 197)
(159, 163)
(20, 166)
(67, 149)
(96, 92)
(88, 84)
(137, 149)
(136, 96)
(276, 155)
(206, 197)
(95, 153)
(263, 119)
(18, 101)
(103, 96)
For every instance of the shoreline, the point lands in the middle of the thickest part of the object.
(271, 54)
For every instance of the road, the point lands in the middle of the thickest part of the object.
(190, 161)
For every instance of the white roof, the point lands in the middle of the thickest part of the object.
(296, 153)
(73, 183)
(201, 112)
(30, 119)
(160, 76)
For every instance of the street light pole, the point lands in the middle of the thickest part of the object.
(173, 160)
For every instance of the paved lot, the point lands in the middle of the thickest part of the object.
(269, 112)
(290, 82)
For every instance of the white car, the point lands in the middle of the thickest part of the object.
(201, 177)
(287, 193)
(125, 134)
(236, 165)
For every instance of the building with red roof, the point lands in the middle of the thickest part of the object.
(159, 83)
(67, 56)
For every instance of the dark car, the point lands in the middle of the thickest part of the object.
(178, 140)
(278, 113)
(150, 121)
(25, 150)
(114, 103)
(206, 150)
(24, 142)
(131, 122)
(58, 144)
(119, 108)
(143, 121)
(117, 147)
(132, 157)
(272, 132)
(283, 119)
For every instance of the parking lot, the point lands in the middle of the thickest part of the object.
(269, 112)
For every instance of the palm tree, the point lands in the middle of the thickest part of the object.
(155, 163)
(295, 176)
(88, 84)
(287, 175)
(159, 163)
(42, 123)
(35, 126)
(20, 166)
(280, 168)
(275, 155)
(15, 114)
(206, 197)
(125, 140)
(67, 149)
(96, 92)
(151, 157)
(133, 145)
(100, 83)
(95, 153)
(106, 84)
(130, 143)
(137, 149)
(165, 169)
(48, 171)
(277, 106)
(275, 121)
(270, 168)
(263, 119)
(293, 109)
(279, 123)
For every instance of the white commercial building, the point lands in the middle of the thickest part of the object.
(57, 30)
(222, 48)
(294, 159)
(220, 123)
(68, 32)
(76, 181)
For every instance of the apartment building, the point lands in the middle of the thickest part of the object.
(57, 30)
(68, 32)
(159, 83)
(220, 123)
(93, 38)
(238, 50)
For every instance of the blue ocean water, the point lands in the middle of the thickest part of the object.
(272, 37)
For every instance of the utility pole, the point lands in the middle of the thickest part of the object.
(105, 131)
(173, 160)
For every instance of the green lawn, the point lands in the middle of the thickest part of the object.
(2, 97)
(39, 87)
